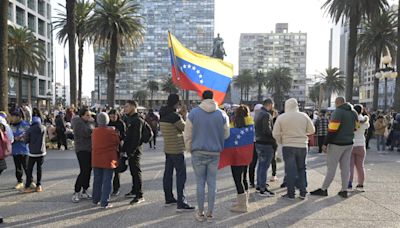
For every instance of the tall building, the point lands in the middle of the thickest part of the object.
(192, 22)
(263, 51)
(36, 15)
(61, 94)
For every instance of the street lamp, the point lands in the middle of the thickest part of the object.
(385, 73)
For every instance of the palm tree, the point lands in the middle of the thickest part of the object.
(379, 35)
(314, 94)
(333, 82)
(141, 96)
(260, 80)
(169, 86)
(244, 81)
(278, 82)
(396, 105)
(25, 53)
(239, 82)
(82, 10)
(153, 87)
(352, 11)
(115, 23)
(71, 31)
(3, 56)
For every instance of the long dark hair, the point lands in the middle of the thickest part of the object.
(240, 115)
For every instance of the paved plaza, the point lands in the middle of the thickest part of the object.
(379, 206)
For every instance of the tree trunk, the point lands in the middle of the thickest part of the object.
(375, 98)
(71, 27)
(30, 91)
(187, 98)
(396, 105)
(80, 57)
(3, 55)
(151, 95)
(112, 71)
(19, 92)
(241, 94)
(259, 98)
(385, 96)
(351, 54)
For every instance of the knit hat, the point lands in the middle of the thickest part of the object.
(103, 119)
(257, 107)
(36, 119)
(173, 99)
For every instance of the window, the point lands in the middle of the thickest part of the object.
(21, 17)
(32, 4)
(48, 11)
(32, 22)
(42, 87)
(42, 68)
(41, 27)
(10, 12)
(41, 7)
(22, 1)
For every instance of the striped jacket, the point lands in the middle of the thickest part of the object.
(172, 126)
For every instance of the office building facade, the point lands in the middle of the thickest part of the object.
(36, 15)
(264, 51)
(192, 22)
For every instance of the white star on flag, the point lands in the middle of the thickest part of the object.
(184, 66)
(200, 76)
(238, 136)
(189, 66)
(246, 129)
(194, 68)
(198, 72)
(236, 142)
(242, 132)
(201, 81)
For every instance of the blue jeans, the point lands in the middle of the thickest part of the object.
(380, 142)
(205, 168)
(102, 185)
(265, 154)
(295, 169)
(176, 161)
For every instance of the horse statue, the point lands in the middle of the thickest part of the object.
(218, 48)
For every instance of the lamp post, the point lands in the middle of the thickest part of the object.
(259, 78)
(385, 73)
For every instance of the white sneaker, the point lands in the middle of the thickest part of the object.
(75, 197)
(273, 179)
(85, 195)
(19, 186)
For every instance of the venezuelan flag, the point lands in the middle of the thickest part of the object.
(238, 148)
(193, 71)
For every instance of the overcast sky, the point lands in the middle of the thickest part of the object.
(233, 17)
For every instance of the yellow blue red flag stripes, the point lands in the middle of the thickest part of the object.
(193, 71)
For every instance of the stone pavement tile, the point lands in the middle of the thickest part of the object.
(310, 223)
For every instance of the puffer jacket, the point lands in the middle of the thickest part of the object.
(172, 127)
(263, 126)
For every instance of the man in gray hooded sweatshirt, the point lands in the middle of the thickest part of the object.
(206, 129)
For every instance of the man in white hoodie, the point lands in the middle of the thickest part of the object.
(291, 130)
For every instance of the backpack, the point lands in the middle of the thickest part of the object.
(5, 145)
(147, 132)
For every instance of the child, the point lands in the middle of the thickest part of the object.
(35, 137)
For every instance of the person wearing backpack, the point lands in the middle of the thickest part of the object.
(136, 128)
(35, 137)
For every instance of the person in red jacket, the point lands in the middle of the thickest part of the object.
(105, 141)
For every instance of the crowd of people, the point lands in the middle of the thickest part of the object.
(110, 141)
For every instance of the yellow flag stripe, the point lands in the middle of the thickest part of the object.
(213, 64)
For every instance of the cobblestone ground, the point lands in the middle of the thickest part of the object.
(379, 206)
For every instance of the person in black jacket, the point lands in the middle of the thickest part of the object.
(133, 148)
(120, 127)
(35, 137)
(60, 130)
(265, 145)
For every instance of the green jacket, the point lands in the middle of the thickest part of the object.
(342, 125)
